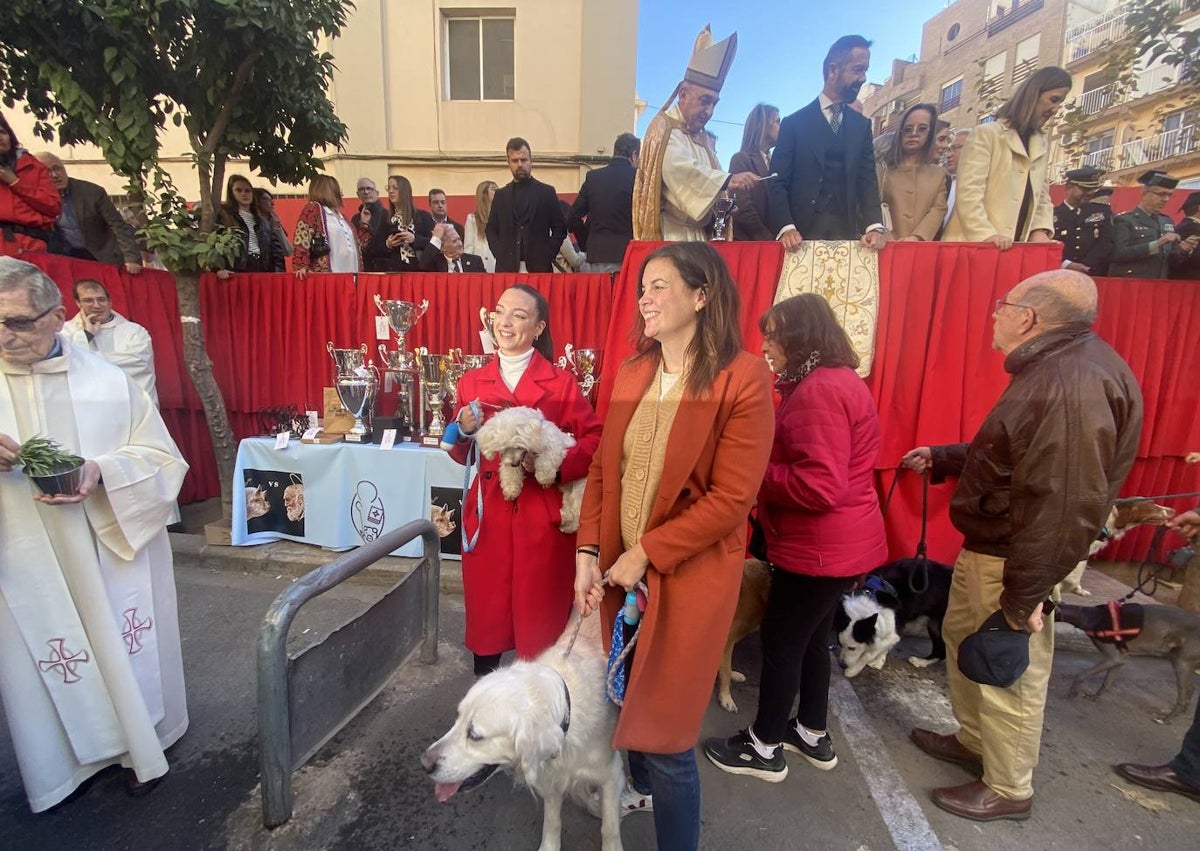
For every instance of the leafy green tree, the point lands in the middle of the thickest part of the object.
(244, 78)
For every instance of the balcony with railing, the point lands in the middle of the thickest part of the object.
(1109, 28)
(1140, 153)
(1148, 82)
(1004, 18)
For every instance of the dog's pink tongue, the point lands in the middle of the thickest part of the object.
(445, 791)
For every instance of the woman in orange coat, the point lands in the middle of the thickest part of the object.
(29, 203)
(517, 580)
(684, 448)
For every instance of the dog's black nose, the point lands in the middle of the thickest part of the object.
(430, 760)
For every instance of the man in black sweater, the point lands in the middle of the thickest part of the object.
(602, 215)
(526, 225)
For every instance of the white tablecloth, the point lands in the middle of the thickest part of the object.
(342, 494)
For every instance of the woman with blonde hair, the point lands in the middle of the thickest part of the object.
(1002, 192)
(475, 238)
(910, 184)
(684, 446)
(324, 239)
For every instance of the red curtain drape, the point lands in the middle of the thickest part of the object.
(148, 298)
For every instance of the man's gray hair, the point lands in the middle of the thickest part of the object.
(17, 275)
(1062, 297)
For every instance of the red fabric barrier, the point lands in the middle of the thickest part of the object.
(149, 299)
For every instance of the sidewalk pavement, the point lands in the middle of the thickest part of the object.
(365, 789)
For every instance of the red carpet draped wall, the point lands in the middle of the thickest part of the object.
(935, 374)
(148, 299)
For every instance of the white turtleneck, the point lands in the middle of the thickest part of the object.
(512, 367)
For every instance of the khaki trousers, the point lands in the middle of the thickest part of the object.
(1003, 725)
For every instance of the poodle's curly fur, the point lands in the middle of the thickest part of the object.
(516, 432)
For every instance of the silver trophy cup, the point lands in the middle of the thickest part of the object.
(402, 316)
(356, 382)
(433, 370)
(402, 366)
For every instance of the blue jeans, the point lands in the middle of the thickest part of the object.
(674, 781)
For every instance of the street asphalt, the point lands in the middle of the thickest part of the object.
(365, 789)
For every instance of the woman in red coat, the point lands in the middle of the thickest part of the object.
(823, 528)
(29, 203)
(517, 581)
(685, 443)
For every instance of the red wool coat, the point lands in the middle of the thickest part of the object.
(519, 581)
(695, 539)
(32, 202)
(817, 505)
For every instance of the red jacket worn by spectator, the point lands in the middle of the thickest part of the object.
(28, 208)
(817, 504)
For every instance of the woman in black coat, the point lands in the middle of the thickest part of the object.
(397, 245)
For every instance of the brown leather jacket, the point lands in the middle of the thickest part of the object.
(1037, 482)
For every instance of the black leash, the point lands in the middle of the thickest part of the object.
(1151, 569)
(922, 554)
(1128, 499)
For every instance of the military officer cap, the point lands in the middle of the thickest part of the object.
(1158, 178)
(1086, 177)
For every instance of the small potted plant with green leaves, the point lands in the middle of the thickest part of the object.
(55, 471)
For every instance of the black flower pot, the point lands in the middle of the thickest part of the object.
(64, 483)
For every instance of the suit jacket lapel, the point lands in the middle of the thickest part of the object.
(817, 130)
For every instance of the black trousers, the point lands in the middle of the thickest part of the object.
(795, 648)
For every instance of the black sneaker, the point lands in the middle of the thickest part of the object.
(821, 754)
(738, 756)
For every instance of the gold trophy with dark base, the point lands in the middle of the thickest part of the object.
(584, 364)
(402, 367)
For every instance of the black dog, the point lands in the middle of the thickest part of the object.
(892, 587)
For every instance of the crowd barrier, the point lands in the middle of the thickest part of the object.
(934, 378)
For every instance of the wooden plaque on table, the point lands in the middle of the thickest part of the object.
(337, 419)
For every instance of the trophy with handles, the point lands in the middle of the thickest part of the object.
(402, 367)
(356, 381)
(584, 364)
(401, 316)
(433, 370)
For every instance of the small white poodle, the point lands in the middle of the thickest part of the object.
(514, 433)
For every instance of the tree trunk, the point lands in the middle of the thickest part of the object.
(199, 367)
(1189, 595)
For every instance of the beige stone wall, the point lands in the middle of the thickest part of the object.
(574, 65)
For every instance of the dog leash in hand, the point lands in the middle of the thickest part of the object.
(473, 466)
(1128, 499)
(922, 554)
(630, 615)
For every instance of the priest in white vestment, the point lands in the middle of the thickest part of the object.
(100, 329)
(679, 179)
(91, 673)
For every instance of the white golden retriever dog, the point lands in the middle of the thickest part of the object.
(515, 432)
(547, 723)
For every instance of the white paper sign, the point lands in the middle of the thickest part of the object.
(381, 328)
(314, 418)
(281, 440)
(311, 433)
(361, 371)
(389, 439)
(486, 339)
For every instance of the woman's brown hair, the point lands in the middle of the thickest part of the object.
(718, 337)
(895, 153)
(804, 324)
(1019, 112)
(326, 191)
(483, 205)
(406, 209)
(543, 343)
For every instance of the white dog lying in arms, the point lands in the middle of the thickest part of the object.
(514, 432)
(547, 723)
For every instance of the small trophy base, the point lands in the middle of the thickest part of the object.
(434, 440)
(382, 424)
(364, 437)
(323, 439)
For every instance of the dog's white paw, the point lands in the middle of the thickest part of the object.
(877, 664)
(726, 703)
(919, 662)
(737, 677)
(1082, 592)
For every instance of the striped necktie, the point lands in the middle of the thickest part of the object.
(457, 265)
(835, 117)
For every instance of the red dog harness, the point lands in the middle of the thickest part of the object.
(1117, 633)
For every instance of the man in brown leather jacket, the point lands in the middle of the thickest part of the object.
(1034, 488)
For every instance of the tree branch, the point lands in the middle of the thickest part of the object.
(223, 118)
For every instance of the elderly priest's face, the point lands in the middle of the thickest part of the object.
(696, 104)
(26, 334)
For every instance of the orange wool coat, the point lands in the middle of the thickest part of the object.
(695, 538)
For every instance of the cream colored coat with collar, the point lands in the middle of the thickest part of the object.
(992, 172)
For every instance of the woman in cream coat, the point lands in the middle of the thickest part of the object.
(1002, 172)
(913, 188)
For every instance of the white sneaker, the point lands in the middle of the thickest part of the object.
(633, 801)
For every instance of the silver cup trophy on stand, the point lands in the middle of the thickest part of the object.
(433, 369)
(400, 364)
(456, 369)
(722, 207)
(402, 316)
(584, 364)
(356, 381)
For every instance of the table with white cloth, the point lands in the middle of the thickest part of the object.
(341, 495)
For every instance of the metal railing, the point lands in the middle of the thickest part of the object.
(305, 700)
(1108, 28)
(1098, 100)
(1160, 146)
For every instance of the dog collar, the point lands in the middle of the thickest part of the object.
(565, 724)
(1104, 533)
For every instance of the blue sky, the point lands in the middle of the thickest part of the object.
(780, 47)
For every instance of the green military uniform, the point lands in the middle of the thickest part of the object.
(1135, 252)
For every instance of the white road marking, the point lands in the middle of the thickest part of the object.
(900, 811)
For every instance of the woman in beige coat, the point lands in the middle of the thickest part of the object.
(913, 188)
(1003, 193)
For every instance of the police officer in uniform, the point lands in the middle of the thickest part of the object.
(1084, 228)
(1143, 238)
(1185, 265)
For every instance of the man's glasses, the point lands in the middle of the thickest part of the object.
(23, 323)
(1002, 303)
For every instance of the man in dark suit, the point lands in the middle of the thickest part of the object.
(1084, 228)
(1144, 239)
(526, 225)
(439, 208)
(89, 226)
(444, 253)
(602, 215)
(826, 188)
(1186, 265)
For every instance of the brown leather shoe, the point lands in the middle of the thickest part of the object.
(1160, 777)
(979, 802)
(948, 749)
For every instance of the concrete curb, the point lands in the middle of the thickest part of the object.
(286, 558)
